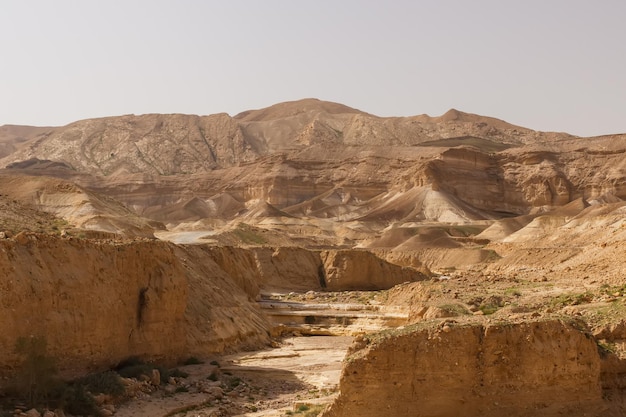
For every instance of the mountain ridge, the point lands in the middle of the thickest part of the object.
(167, 144)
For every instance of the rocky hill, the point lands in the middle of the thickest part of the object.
(185, 144)
(317, 162)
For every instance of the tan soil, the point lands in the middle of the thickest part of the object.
(302, 370)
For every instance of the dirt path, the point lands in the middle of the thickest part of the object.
(303, 370)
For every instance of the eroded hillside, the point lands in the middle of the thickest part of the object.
(355, 174)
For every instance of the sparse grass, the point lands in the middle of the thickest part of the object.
(515, 292)
(306, 410)
(572, 299)
(617, 291)
(488, 309)
(455, 309)
(248, 235)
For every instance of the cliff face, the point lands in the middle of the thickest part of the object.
(361, 270)
(297, 269)
(95, 303)
(98, 302)
(543, 368)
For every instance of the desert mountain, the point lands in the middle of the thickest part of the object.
(183, 144)
(493, 250)
(12, 136)
(330, 169)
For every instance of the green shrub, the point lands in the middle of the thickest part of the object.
(130, 361)
(606, 349)
(135, 371)
(193, 361)
(79, 402)
(454, 309)
(314, 411)
(488, 309)
(235, 382)
(37, 375)
(107, 382)
(177, 373)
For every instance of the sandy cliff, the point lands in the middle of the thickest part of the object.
(546, 368)
(98, 302)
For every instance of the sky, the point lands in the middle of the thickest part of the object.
(552, 65)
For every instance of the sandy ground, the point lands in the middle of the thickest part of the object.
(302, 370)
(185, 238)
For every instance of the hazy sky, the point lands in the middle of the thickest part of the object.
(544, 64)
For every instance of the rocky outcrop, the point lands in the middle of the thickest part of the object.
(546, 368)
(73, 205)
(99, 302)
(95, 303)
(298, 269)
(346, 270)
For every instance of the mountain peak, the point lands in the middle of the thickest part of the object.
(294, 108)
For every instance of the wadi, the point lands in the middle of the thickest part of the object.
(311, 259)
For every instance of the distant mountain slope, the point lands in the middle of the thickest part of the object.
(34, 203)
(313, 166)
(13, 136)
(169, 144)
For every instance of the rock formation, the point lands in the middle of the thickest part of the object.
(546, 368)
(98, 302)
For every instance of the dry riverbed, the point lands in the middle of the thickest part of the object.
(301, 373)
